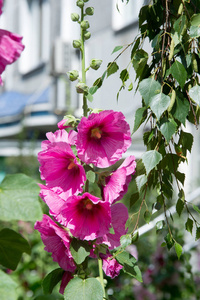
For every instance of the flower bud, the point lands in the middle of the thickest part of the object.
(82, 88)
(85, 1)
(89, 11)
(95, 64)
(75, 17)
(85, 25)
(80, 3)
(87, 35)
(76, 43)
(73, 75)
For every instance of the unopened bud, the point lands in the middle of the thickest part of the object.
(80, 3)
(73, 75)
(87, 35)
(95, 64)
(76, 43)
(75, 17)
(82, 88)
(85, 25)
(89, 11)
(85, 1)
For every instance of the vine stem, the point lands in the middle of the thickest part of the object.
(101, 276)
(85, 107)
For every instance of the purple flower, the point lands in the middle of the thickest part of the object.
(10, 48)
(59, 166)
(57, 241)
(116, 185)
(102, 138)
(86, 216)
(119, 217)
(111, 267)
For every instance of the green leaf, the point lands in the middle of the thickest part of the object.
(194, 93)
(197, 233)
(129, 263)
(112, 68)
(139, 61)
(195, 20)
(182, 108)
(89, 97)
(19, 199)
(124, 75)
(79, 250)
(196, 208)
(189, 225)
(51, 280)
(130, 87)
(180, 25)
(159, 103)
(93, 89)
(179, 73)
(147, 216)
(194, 31)
(180, 176)
(7, 287)
(91, 176)
(140, 181)
(168, 129)
(139, 118)
(160, 225)
(87, 289)
(178, 249)
(134, 198)
(179, 206)
(169, 241)
(12, 245)
(125, 240)
(186, 140)
(148, 88)
(151, 159)
(117, 48)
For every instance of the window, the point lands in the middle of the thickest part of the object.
(125, 14)
(34, 21)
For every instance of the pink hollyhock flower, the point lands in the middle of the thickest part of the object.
(86, 216)
(61, 124)
(119, 217)
(67, 276)
(116, 185)
(10, 48)
(59, 136)
(102, 138)
(111, 267)
(60, 168)
(54, 200)
(57, 241)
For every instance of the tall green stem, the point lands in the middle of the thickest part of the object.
(85, 107)
(101, 276)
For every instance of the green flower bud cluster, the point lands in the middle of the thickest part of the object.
(70, 121)
(95, 64)
(82, 88)
(73, 75)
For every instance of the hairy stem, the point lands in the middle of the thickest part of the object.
(85, 107)
(101, 276)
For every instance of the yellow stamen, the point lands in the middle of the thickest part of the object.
(96, 133)
(88, 204)
(71, 165)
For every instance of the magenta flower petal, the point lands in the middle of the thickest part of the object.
(119, 217)
(59, 136)
(102, 138)
(116, 185)
(54, 201)
(57, 241)
(86, 216)
(10, 48)
(111, 267)
(61, 124)
(67, 276)
(60, 168)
